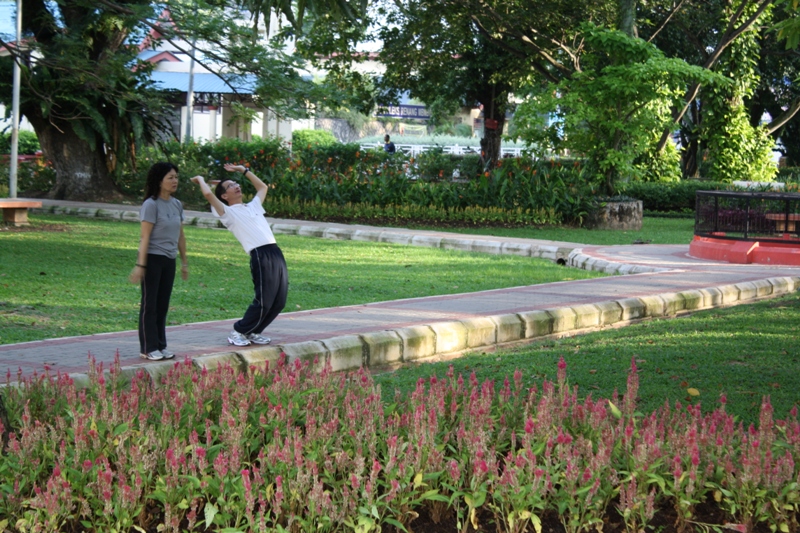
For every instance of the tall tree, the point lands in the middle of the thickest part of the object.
(452, 51)
(86, 103)
(612, 111)
(549, 37)
(718, 35)
(91, 101)
(777, 93)
(439, 56)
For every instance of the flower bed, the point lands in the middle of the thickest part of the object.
(290, 447)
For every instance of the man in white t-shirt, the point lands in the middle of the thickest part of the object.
(267, 265)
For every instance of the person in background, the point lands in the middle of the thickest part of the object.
(388, 145)
(267, 265)
(161, 240)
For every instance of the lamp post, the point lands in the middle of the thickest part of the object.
(17, 72)
(190, 97)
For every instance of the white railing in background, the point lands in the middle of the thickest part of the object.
(456, 149)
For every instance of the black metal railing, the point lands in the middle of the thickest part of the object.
(761, 216)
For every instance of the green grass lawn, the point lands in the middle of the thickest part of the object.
(745, 352)
(68, 276)
(655, 230)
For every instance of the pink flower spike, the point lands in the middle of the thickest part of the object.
(529, 426)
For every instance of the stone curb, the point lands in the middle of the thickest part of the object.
(577, 259)
(387, 348)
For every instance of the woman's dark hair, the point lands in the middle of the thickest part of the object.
(219, 190)
(155, 175)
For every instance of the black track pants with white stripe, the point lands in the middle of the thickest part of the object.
(271, 285)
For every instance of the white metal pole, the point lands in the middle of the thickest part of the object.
(12, 173)
(190, 98)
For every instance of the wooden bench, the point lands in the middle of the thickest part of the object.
(15, 210)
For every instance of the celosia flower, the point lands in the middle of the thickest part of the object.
(529, 426)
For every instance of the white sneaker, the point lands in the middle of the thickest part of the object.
(166, 354)
(152, 356)
(255, 338)
(237, 339)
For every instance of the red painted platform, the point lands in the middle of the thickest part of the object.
(746, 252)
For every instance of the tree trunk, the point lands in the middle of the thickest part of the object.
(495, 101)
(690, 164)
(81, 172)
(491, 142)
(626, 17)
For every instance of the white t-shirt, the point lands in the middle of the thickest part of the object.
(247, 223)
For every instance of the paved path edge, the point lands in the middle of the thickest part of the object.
(393, 348)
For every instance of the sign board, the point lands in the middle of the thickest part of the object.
(403, 111)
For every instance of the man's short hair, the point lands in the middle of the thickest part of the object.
(220, 190)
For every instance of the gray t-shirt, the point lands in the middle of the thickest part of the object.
(166, 217)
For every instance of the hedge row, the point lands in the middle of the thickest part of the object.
(318, 177)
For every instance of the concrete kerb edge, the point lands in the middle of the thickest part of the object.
(419, 343)
(577, 259)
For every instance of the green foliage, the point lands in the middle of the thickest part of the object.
(27, 144)
(433, 165)
(788, 175)
(612, 109)
(789, 29)
(517, 191)
(303, 139)
(33, 177)
(669, 197)
(735, 150)
(403, 215)
(664, 166)
(380, 179)
(88, 87)
(266, 157)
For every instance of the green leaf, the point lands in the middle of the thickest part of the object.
(209, 512)
(395, 523)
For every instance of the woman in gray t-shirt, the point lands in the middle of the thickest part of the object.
(161, 240)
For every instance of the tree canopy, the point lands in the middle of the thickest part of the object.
(91, 100)
(92, 103)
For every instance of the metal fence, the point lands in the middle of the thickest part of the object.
(455, 149)
(762, 216)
